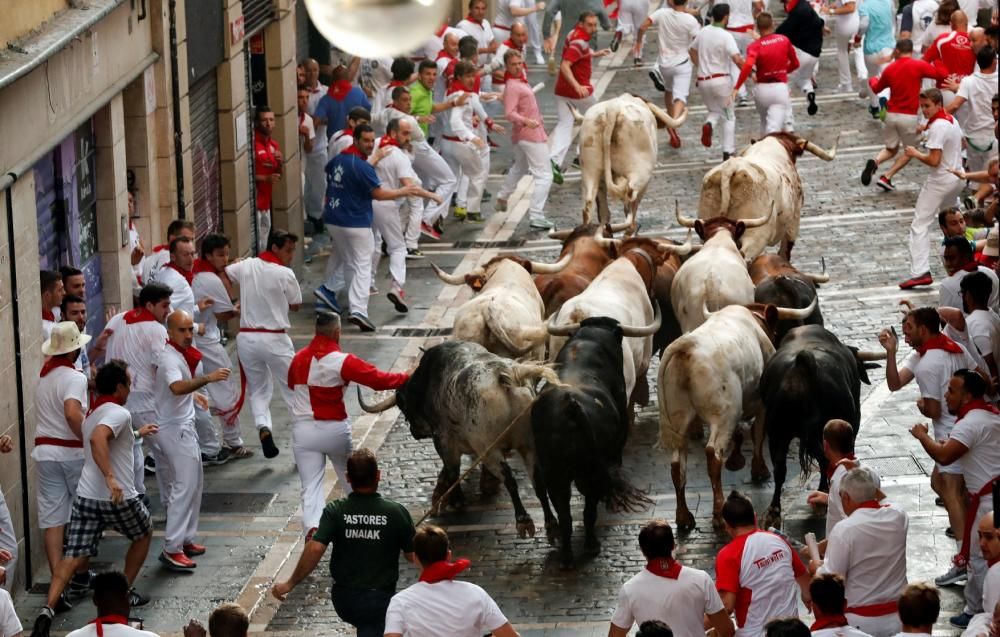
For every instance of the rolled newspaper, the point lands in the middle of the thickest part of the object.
(537, 87)
(813, 546)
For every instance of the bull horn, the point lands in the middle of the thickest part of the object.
(378, 407)
(668, 121)
(648, 330)
(825, 155)
(550, 268)
(796, 314)
(680, 250)
(870, 356)
(561, 330)
(621, 227)
(450, 279)
(560, 235)
(687, 222)
(605, 242)
(759, 221)
(820, 278)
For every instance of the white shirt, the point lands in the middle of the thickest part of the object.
(932, 372)
(842, 631)
(152, 262)
(266, 291)
(947, 137)
(740, 14)
(305, 119)
(139, 345)
(460, 119)
(452, 608)
(10, 625)
(111, 630)
(716, 48)
(338, 142)
(181, 295)
(676, 31)
(208, 285)
(504, 18)
(950, 292)
(315, 95)
(834, 507)
(868, 549)
(681, 603)
(53, 390)
(47, 326)
(483, 33)
(376, 73)
(390, 113)
(983, 328)
(392, 169)
(978, 90)
(923, 17)
(991, 588)
(979, 431)
(173, 410)
(119, 420)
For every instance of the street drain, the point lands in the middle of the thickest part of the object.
(895, 466)
(468, 245)
(423, 332)
(236, 502)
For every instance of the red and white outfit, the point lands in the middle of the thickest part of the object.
(458, 149)
(386, 225)
(267, 289)
(834, 507)
(716, 47)
(576, 51)
(952, 53)
(665, 590)
(531, 149)
(903, 77)
(981, 622)
(676, 30)
(321, 429)
(760, 569)
(504, 19)
(868, 549)
(138, 338)
(977, 427)
(58, 453)
(774, 56)
(265, 163)
(836, 627)
(110, 627)
(179, 473)
(483, 33)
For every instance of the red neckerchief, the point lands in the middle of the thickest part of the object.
(444, 27)
(54, 363)
(791, 5)
(978, 403)
(338, 90)
(203, 265)
(139, 315)
(510, 45)
(321, 345)
(832, 621)
(456, 86)
(940, 342)
(971, 266)
(270, 257)
(385, 140)
(661, 567)
(108, 619)
(833, 466)
(443, 53)
(394, 83)
(191, 355)
(349, 132)
(354, 150)
(48, 315)
(872, 504)
(187, 274)
(474, 21)
(508, 77)
(161, 247)
(443, 570)
(941, 114)
(101, 400)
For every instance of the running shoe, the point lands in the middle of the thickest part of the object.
(885, 184)
(866, 174)
(267, 443)
(811, 98)
(177, 562)
(657, 79)
(923, 279)
(706, 135)
(362, 321)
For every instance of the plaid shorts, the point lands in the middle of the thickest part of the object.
(90, 517)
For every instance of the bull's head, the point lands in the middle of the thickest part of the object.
(419, 427)
(708, 228)
(768, 315)
(480, 275)
(628, 331)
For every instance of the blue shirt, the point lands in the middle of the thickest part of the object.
(881, 25)
(336, 112)
(350, 181)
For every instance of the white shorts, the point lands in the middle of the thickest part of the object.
(57, 483)
(900, 129)
(677, 79)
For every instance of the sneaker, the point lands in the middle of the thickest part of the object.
(177, 561)
(883, 108)
(742, 100)
(414, 253)
(438, 226)
(873, 111)
(135, 598)
(866, 174)
(267, 443)
(575, 163)
(429, 231)
(43, 622)
(811, 98)
(726, 156)
(487, 195)
(636, 61)
(459, 212)
(541, 224)
(79, 584)
(948, 532)
(327, 297)
(223, 456)
(923, 279)
(954, 575)
(939, 501)
(845, 88)
(500, 205)
(675, 139)
(615, 42)
(960, 621)
(557, 176)
(706, 134)
(194, 550)
(372, 290)
(398, 299)
(885, 184)
(362, 321)
(539, 58)
(149, 464)
(475, 217)
(657, 79)
(238, 453)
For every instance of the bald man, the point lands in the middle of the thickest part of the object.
(179, 376)
(952, 53)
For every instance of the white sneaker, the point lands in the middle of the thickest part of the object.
(539, 58)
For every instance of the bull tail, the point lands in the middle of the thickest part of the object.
(725, 175)
(520, 343)
(529, 374)
(673, 429)
(623, 496)
(806, 369)
(614, 189)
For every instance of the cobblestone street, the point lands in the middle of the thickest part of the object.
(250, 518)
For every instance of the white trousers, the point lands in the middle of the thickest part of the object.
(773, 106)
(225, 394)
(263, 229)
(436, 175)
(533, 22)
(386, 227)
(530, 158)
(140, 418)
(715, 93)
(936, 193)
(562, 134)
(181, 480)
(315, 186)
(411, 216)
(977, 564)
(847, 28)
(980, 159)
(208, 435)
(350, 265)
(884, 626)
(802, 77)
(8, 541)
(313, 441)
(264, 358)
(631, 15)
(467, 160)
(875, 66)
(677, 80)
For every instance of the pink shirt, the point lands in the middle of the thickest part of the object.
(519, 105)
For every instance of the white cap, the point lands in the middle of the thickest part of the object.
(65, 338)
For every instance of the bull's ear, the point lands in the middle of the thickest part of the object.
(699, 227)
(771, 315)
(740, 229)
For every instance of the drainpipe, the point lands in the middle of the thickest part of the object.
(175, 92)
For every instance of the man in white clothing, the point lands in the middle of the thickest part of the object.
(989, 545)
(982, 325)
(868, 549)
(268, 290)
(439, 605)
(463, 146)
(315, 160)
(979, 126)
(344, 138)
(160, 255)
(53, 291)
(828, 605)
(476, 25)
(511, 13)
(112, 600)
(714, 51)
(680, 596)
(959, 262)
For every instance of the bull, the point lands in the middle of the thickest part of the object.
(811, 379)
(777, 282)
(580, 430)
(507, 316)
(762, 175)
(709, 377)
(618, 151)
(590, 256)
(464, 398)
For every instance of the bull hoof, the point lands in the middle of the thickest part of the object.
(566, 562)
(525, 528)
(772, 519)
(735, 461)
(592, 547)
(489, 484)
(456, 500)
(759, 471)
(552, 533)
(685, 521)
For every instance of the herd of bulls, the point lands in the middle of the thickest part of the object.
(739, 334)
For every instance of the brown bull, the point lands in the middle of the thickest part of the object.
(590, 256)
